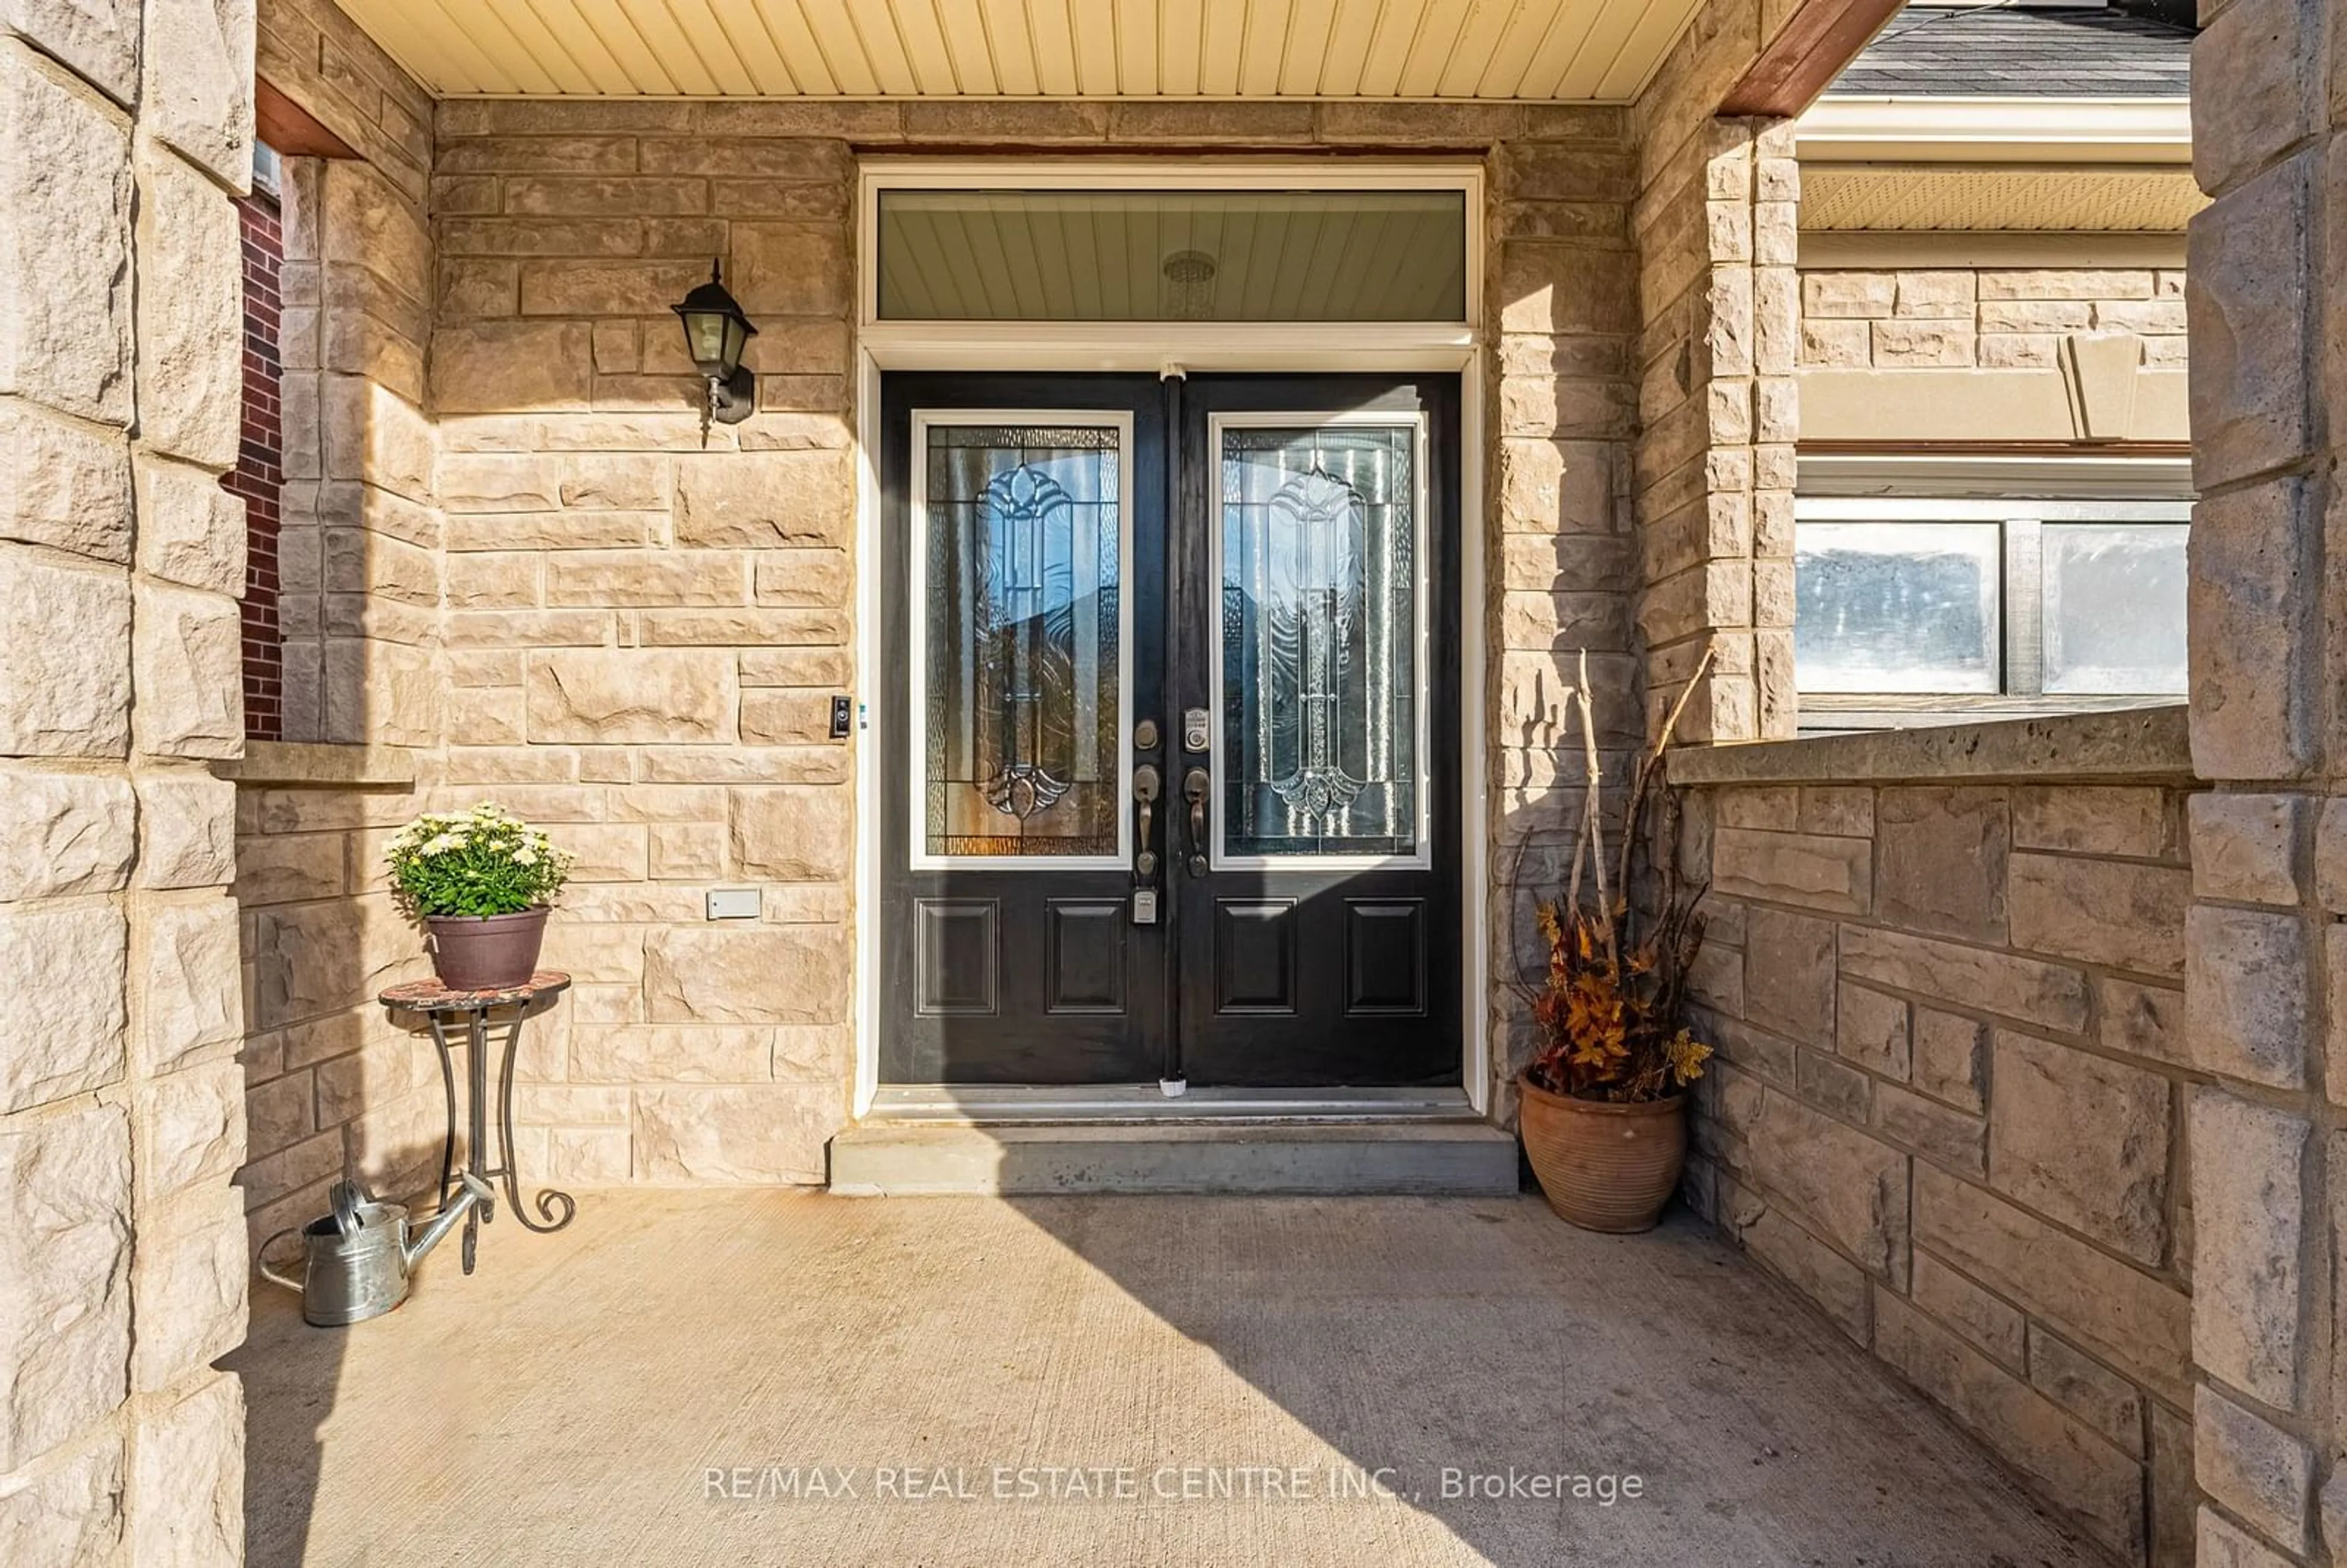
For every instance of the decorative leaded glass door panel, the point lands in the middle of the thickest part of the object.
(1318, 927)
(1170, 730)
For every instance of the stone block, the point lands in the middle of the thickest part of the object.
(2111, 912)
(2082, 1140)
(64, 243)
(823, 579)
(696, 1134)
(190, 531)
(1845, 812)
(1844, 1186)
(191, 311)
(191, 1126)
(1832, 1086)
(2003, 983)
(1838, 1286)
(190, 1480)
(2247, 285)
(1994, 1327)
(644, 578)
(62, 968)
(2224, 1545)
(786, 718)
(2065, 283)
(792, 269)
(1788, 974)
(68, 485)
(2245, 994)
(1937, 1133)
(1951, 1057)
(2245, 1463)
(2175, 1493)
(765, 499)
(2087, 1390)
(97, 39)
(2140, 1019)
(496, 366)
(2245, 847)
(187, 1277)
(65, 687)
(772, 974)
(2124, 1316)
(187, 653)
(1907, 344)
(2249, 1233)
(2253, 97)
(68, 1513)
(65, 1317)
(1808, 869)
(196, 96)
(62, 833)
(2091, 819)
(189, 977)
(1940, 860)
(626, 695)
(1849, 295)
(2102, 1487)
(2331, 855)
(793, 835)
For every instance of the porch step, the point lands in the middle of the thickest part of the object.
(907, 1158)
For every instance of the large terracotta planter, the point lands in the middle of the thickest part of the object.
(486, 952)
(1604, 1166)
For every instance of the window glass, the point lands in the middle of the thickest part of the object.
(2113, 607)
(1020, 687)
(1897, 607)
(1320, 641)
(1172, 255)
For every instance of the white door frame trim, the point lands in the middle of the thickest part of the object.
(1174, 349)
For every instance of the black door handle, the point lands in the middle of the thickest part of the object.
(1195, 786)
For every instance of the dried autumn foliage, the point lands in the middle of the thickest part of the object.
(1612, 1010)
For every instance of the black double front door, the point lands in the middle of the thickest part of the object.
(1169, 730)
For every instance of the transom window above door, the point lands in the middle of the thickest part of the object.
(1029, 248)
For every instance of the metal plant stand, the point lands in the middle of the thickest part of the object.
(441, 1008)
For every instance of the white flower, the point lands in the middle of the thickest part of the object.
(524, 857)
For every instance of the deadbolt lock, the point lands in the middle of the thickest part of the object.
(1144, 735)
(1197, 729)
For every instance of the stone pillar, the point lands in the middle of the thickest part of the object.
(122, 1269)
(2265, 954)
(1720, 304)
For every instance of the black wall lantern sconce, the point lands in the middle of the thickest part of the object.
(715, 334)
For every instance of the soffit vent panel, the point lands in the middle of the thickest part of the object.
(1591, 51)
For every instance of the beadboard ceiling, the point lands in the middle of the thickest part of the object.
(1585, 51)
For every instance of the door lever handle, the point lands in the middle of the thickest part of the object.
(1145, 786)
(1195, 786)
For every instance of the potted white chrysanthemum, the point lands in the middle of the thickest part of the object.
(481, 882)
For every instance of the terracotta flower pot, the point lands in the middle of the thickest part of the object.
(486, 952)
(1604, 1166)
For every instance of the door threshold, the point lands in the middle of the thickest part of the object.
(989, 1103)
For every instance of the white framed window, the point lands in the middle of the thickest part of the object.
(1916, 609)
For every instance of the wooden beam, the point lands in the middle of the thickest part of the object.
(1805, 56)
(290, 129)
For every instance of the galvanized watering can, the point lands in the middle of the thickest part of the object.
(359, 1258)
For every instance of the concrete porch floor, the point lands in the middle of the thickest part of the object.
(564, 1404)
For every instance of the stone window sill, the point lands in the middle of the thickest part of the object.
(2133, 743)
(292, 763)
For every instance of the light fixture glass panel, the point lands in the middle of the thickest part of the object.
(1021, 688)
(1320, 641)
(1885, 608)
(1174, 255)
(2114, 598)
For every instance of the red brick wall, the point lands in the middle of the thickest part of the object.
(259, 470)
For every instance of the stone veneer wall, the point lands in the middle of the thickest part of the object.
(1996, 317)
(643, 635)
(2266, 966)
(1946, 990)
(331, 1087)
(125, 133)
